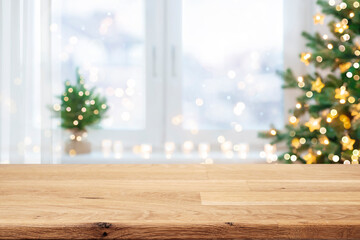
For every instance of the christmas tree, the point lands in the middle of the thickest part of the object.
(324, 126)
(80, 107)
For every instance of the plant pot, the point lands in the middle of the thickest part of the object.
(77, 143)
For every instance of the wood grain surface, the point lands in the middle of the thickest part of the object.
(179, 202)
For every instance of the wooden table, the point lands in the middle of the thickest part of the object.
(179, 202)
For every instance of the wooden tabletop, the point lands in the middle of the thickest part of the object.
(179, 202)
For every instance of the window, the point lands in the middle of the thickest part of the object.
(229, 64)
(195, 74)
(225, 63)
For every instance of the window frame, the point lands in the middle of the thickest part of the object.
(163, 58)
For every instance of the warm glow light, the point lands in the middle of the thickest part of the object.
(57, 107)
(169, 147)
(188, 146)
(199, 102)
(221, 139)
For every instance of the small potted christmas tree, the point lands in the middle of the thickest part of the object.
(80, 107)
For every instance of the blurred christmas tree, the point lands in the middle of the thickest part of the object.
(324, 126)
(80, 107)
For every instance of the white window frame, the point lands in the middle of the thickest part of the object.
(163, 76)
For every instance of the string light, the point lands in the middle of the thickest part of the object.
(188, 146)
(146, 150)
(177, 120)
(239, 108)
(57, 107)
(238, 128)
(322, 130)
(118, 149)
(333, 112)
(343, 5)
(106, 147)
(319, 59)
(319, 18)
(221, 139)
(199, 102)
(203, 149)
(351, 99)
(273, 132)
(293, 120)
(226, 146)
(72, 152)
(345, 37)
(75, 122)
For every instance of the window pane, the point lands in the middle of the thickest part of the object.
(231, 51)
(106, 39)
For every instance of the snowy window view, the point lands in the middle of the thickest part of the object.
(229, 65)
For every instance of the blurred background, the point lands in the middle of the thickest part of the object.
(186, 81)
